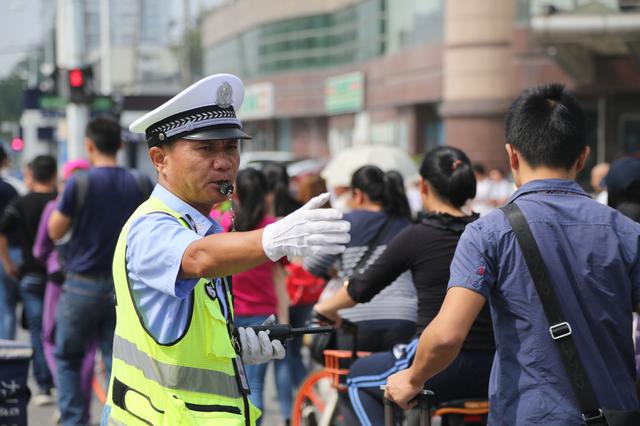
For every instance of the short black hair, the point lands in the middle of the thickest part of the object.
(43, 168)
(547, 126)
(3, 155)
(105, 134)
(450, 174)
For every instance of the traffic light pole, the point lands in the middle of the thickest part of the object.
(77, 119)
(105, 47)
(71, 54)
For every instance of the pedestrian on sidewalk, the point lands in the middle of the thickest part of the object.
(24, 214)
(52, 256)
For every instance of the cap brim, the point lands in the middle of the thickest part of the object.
(217, 133)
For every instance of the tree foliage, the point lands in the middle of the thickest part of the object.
(11, 90)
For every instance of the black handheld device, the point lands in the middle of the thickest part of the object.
(284, 332)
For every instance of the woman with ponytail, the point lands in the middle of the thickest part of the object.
(380, 210)
(425, 250)
(258, 292)
(279, 197)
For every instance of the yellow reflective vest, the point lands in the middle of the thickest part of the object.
(191, 381)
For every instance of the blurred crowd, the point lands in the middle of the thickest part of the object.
(56, 233)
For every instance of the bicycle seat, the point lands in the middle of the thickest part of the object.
(466, 411)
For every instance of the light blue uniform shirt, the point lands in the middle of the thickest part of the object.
(155, 245)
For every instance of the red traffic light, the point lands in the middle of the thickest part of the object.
(17, 144)
(76, 78)
(79, 81)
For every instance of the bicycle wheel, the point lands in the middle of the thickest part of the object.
(312, 398)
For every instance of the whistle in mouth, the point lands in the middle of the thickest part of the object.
(226, 188)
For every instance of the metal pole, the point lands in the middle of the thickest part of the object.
(77, 119)
(71, 54)
(105, 47)
(32, 80)
(186, 48)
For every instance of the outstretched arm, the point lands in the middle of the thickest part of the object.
(308, 230)
(220, 255)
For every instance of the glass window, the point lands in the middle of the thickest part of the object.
(536, 7)
(412, 22)
(355, 33)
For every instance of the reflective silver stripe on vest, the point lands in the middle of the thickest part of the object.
(114, 422)
(174, 376)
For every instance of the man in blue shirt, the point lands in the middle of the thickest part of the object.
(591, 252)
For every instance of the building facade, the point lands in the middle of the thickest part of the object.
(322, 75)
(140, 49)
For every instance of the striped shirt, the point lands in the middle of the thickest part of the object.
(397, 301)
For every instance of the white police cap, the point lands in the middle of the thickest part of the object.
(205, 110)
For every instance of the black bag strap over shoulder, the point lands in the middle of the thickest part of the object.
(144, 184)
(559, 328)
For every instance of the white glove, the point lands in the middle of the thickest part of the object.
(257, 349)
(308, 230)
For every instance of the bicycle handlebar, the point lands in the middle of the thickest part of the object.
(349, 327)
(423, 398)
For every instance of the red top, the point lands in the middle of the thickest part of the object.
(254, 290)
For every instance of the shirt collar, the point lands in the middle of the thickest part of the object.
(541, 185)
(200, 224)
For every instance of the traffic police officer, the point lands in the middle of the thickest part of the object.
(176, 360)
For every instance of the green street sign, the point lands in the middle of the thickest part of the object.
(51, 102)
(101, 104)
(258, 102)
(57, 103)
(344, 93)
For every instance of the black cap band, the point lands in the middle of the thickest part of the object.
(195, 121)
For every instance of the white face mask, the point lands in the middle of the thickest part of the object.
(341, 202)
